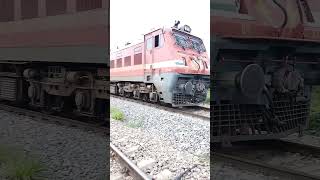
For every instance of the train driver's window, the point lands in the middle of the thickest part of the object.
(149, 43)
(156, 41)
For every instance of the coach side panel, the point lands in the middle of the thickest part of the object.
(55, 32)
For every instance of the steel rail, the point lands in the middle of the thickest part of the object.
(241, 161)
(125, 161)
(170, 109)
(264, 167)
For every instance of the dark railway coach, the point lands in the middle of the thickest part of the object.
(53, 54)
(265, 60)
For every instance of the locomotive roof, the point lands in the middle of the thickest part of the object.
(132, 44)
(172, 29)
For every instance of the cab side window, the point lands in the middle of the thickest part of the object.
(155, 42)
(158, 41)
(149, 43)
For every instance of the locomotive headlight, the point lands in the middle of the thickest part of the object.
(187, 28)
(201, 86)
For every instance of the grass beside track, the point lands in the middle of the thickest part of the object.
(117, 114)
(314, 127)
(208, 97)
(16, 165)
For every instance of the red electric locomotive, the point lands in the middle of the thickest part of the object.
(170, 66)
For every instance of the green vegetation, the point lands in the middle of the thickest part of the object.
(314, 127)
(208, 97)
(16, 165)
(117, 114)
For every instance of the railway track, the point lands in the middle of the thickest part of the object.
(200, 112)
(55, 119)
(134, 170)
(246, 156)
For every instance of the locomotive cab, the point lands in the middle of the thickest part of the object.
(177, 65)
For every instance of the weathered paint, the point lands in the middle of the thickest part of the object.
(263, 19)
(253, 32)
(73, 54)
(81, 36)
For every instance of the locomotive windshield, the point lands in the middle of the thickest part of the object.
(189, 42)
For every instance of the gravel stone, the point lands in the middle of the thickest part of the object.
(164, 175)
(117, 177)
(291, 160)
(305, 139)
(184, 132)
(144, 164)
(228, 172)
(66, 152)
(175, 142)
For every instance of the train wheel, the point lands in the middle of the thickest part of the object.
(47, 108)
(102, 110)
(145, 97)
(69, 105)
(136, 94)
(127, 94)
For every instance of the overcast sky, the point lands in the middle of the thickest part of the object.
(131, 19)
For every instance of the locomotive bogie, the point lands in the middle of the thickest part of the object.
(263, 71)
(260, 97)
(55, 88)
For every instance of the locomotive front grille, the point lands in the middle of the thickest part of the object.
(190, 96)
(184, 99)
(249, 122)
